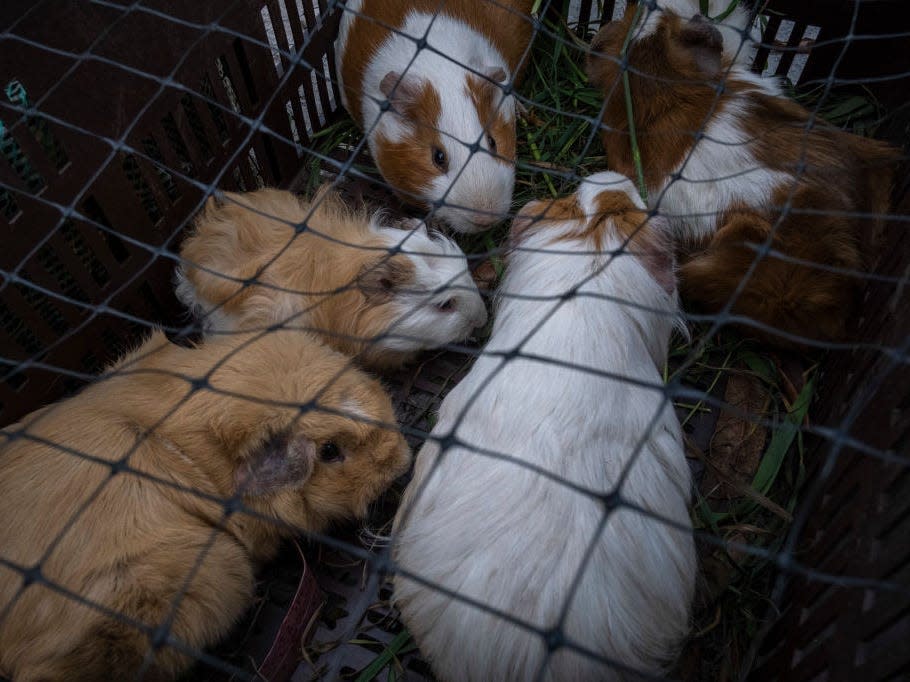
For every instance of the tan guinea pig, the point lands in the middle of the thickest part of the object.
(281, 419)
(369, 289)
(446, 69)
(746, 166)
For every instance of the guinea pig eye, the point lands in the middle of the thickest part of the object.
(446, 306)
(491, 143)
(330, 452)
(440, 160)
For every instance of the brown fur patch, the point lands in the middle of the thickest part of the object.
(506, 23)
(485, 96)
(672, 97)
(135, 544)
(407, 164)
(381, 279)
(840, 172)
(315, 271)
(537, 214)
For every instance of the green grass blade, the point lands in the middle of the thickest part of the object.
(781, 441)
(383, 659)
(633, 138)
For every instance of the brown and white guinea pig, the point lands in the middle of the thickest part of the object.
(243, 435)
(742, 165)
(567, 397)
(366, 287)
(445, 68)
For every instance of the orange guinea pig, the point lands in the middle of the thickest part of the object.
(120, 497)
(740, 166)
(367, 288)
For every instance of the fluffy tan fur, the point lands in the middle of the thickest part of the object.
(245, 259)
(133, 547)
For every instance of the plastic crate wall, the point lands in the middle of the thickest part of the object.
(142, 109)
(148, 105)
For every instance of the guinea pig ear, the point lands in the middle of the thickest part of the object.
(283, 461)
(494, 73)
(381, 279)
(704, 42)
(401, 91)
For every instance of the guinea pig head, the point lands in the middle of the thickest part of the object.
(418, 294)
(324, 450)
(449, 146)
(671, 59)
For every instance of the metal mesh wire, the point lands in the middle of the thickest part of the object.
(222, 130)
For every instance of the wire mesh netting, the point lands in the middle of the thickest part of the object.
(628, 279)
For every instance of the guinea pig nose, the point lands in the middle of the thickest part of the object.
(480, 319)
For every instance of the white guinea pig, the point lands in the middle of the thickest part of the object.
(448, 140)
(582, 400)
(366, 287)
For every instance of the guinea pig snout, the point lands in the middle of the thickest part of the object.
(479, 318)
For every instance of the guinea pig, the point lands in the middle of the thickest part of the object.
(561, 424)
(366, 287)
(430, 84)
(140, 508)
(738, 167)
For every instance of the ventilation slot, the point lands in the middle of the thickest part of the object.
(245, 72)
(224, 73)
(167, 180)
(89, 260)
(205, 87)
(47, 310)
(143, 191)
(15, 93)
(12, 152)
(178, 145)
(93, 212)
(50, 262)
(198, 130)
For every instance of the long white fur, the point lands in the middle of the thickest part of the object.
(505, 536)
(477, 185)
(416, 323)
